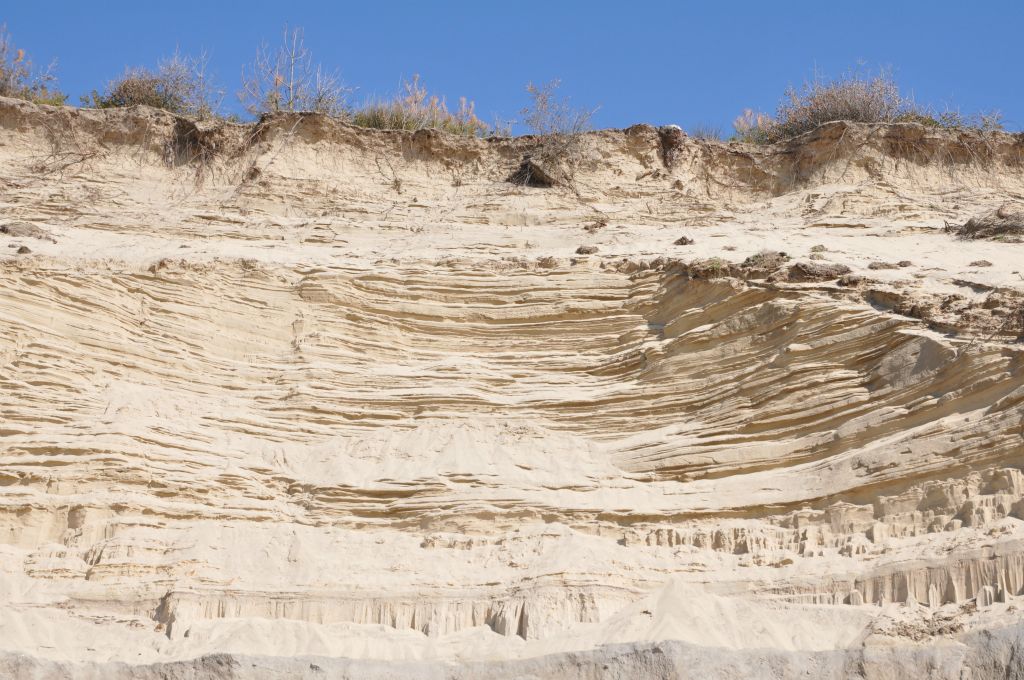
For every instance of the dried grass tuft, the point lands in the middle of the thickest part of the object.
(416, 109)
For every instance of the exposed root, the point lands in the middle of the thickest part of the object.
(553, 161)
(68, 151)
(197, 144)
(390, 175)
(530, 173)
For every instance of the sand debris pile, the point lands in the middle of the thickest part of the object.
(1003, 224)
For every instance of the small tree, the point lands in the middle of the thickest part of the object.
(286, 79)
(179, 85)
(19, 79)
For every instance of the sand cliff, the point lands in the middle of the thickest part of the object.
(298, 398)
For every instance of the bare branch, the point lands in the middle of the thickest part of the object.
(286, 79)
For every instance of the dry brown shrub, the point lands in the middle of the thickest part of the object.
(856, 97)
(179, 84)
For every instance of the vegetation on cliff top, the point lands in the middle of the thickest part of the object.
(286, 78)
(857, 97)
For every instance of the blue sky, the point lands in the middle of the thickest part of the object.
(687, 63)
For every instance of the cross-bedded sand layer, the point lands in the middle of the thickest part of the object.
(301, 399)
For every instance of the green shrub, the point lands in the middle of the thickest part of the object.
(19, 79)
(416, 109)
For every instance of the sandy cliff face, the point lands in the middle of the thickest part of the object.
(303, 399)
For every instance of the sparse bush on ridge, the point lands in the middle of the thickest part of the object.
(416, 109)
(286, 79)
(178, 84)
(19, 79)
(853, 97)
(561, 129)
(550, 116)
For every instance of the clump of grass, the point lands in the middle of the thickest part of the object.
(853, 97)
(416, 109)
(753, 126)
(986, 121)
(710, 268)
(20, 79)
(707, 132)
(179, 84)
